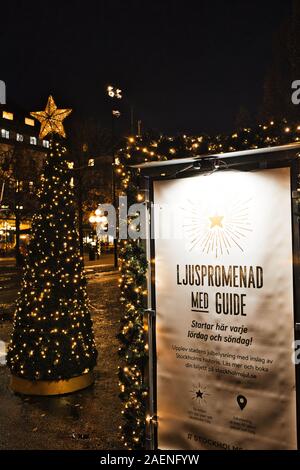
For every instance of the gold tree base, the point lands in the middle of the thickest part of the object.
(51, 387)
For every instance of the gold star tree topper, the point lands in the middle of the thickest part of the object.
(51, 119)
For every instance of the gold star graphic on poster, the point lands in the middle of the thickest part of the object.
(216, 221)
(218, 229)
(51, 119)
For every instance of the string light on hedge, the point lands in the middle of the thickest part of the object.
(133, 265)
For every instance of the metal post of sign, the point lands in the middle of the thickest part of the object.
(151, 420)
(296, 267)
(149, 326)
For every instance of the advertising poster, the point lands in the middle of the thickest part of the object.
(224, 306)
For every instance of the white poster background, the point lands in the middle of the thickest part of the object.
(202, 385)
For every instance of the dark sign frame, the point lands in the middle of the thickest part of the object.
(258, 159)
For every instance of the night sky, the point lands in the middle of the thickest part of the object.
(184, 66)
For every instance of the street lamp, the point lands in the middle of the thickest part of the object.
(98, 218)
(116, 113)
(114, 93)
(101, 223)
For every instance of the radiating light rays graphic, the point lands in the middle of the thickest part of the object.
(217, 228)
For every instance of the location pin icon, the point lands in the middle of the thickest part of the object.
(242, 401)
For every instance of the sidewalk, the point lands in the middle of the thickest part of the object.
(105, 263)
(88, 419)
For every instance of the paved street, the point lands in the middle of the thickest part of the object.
(104, 260)
(84, 420)
(10, 277)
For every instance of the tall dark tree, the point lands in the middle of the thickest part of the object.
(277, 84)
(89, 139)
(294, 41)
(243, 118)
(283, 69)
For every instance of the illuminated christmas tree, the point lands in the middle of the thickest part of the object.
(52, 348)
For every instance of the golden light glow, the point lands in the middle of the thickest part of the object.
(51, 119)
(53, 387)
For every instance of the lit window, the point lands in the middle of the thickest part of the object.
(91, 162)
(30, 186)
(7, 115)
(33, 140)
(72, 182)
(4, 134)
(20, 138)
(29, 121)
(46, 143)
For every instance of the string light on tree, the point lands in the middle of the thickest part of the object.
(52, 348)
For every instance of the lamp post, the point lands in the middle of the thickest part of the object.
(99, 220)
(115, 94)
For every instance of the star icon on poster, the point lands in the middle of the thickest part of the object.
(216, 221)
(199, 393)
